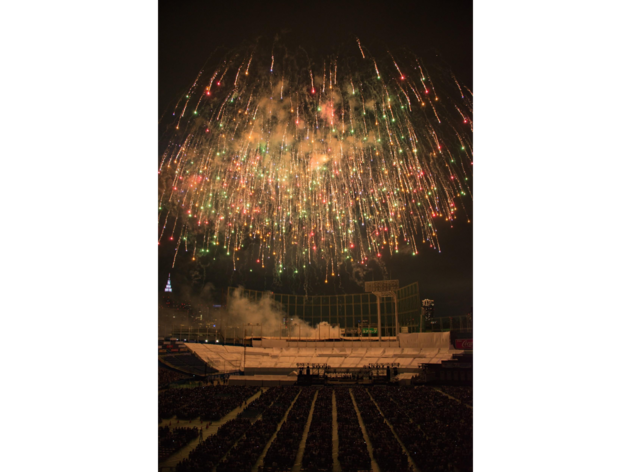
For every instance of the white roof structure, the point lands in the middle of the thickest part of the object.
(274, 356)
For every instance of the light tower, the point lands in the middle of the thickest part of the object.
(428, 308)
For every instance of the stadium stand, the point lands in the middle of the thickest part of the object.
(244, 455)
(463, 394)
(188, 363)
(318, 451)
(435, 429)
(283, 451)
(207, 403)
(388, 453)
(178, 356)
(207, 454)
(171, 440)
(280, 356)
(353, 453)
(426, 428)
(167, 377)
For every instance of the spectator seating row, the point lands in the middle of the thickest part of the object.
(247, 451)
(171, 440)
(353, 453)
(283, 451)
(318, 450)
(210, 403)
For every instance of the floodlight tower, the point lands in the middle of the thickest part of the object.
(382, 289)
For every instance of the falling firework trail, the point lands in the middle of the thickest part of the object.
(316, 167)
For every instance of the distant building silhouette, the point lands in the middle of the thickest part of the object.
(168, 285)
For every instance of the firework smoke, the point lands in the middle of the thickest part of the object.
(314, 164)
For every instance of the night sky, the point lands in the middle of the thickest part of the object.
(189, 31)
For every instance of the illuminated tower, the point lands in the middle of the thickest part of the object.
(428, 307)
(168, 288)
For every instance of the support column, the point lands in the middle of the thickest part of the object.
(396, 312)
(378, 310)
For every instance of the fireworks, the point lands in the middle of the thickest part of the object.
(315, 164)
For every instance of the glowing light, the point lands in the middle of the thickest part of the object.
(286, 165)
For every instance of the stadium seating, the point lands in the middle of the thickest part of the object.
(435, 429)
(282, 360)
(166, 377)
(189, 363)
(170, 440)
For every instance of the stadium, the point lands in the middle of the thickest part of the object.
(368, 381)
(324, 174)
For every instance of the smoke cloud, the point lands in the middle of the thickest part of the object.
(268, 314)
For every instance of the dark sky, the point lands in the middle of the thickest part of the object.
(189, 31)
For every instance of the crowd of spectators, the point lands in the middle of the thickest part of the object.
(206, 402)
(283, 451)
(260, 404)
(463, 394)
(388, 453)
(353, 453)
(435, 429)
(242, 457)
(171, 440)
(167, 377)
(318, 449)
(419, 379)
(207, 454)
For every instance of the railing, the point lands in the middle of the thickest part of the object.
(447, 323)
